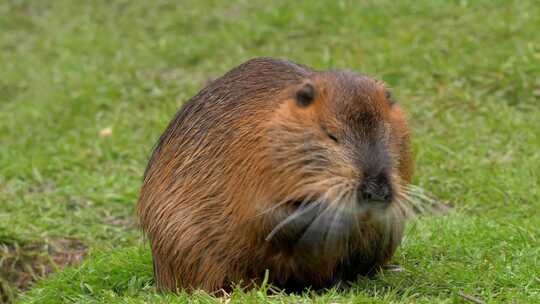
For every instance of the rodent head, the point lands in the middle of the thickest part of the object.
(339, 149)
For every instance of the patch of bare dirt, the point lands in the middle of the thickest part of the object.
(21, 263)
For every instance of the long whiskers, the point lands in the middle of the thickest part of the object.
(306, 206)
(422, 203)
(302, 210)
(315, 184)
(329, 220)
(325, 228)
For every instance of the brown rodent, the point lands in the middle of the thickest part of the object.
(275, 166)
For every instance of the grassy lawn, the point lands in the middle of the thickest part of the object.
(467, 73)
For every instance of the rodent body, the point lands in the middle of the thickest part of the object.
(275, 166)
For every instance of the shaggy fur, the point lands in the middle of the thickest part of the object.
(261, 170)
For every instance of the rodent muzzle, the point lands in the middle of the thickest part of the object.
(375, 190)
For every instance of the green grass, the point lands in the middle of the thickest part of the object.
(467, 73)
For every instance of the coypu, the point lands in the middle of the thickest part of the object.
(277, 167)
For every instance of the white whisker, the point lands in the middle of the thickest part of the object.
(299, 212)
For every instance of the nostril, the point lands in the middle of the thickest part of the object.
(367, 192)
(385, 193)
(366, 195)
(378, 190)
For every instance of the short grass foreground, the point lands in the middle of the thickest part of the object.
(86, 87)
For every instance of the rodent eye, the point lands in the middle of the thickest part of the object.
(332, 137)
(329, 134)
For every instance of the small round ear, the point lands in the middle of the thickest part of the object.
(305, 95)
(389, 97)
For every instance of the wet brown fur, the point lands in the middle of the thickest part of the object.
(216, 183)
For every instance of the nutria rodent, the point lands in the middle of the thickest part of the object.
(277, 167)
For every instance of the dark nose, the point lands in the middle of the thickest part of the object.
(375, 190)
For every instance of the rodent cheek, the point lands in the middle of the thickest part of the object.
(401, 144)
(342, 164)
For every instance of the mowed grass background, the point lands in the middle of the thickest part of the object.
(466, 72)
